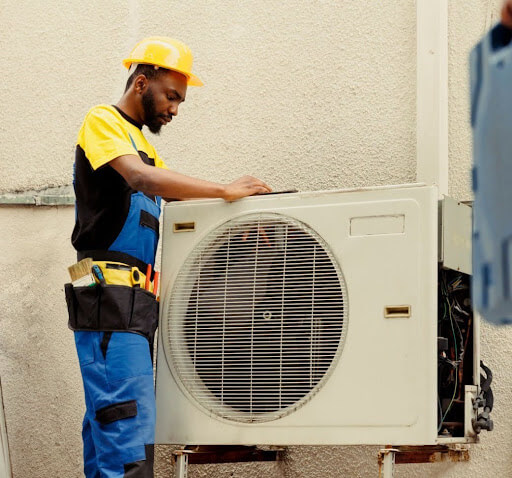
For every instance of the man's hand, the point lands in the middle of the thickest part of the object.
(506, 13)
(245, 186)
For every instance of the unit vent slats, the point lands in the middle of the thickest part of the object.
(257, 318)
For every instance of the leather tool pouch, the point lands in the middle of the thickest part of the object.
(113, 308)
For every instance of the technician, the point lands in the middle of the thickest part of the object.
(119, 181)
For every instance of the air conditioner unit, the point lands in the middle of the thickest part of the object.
(305, 318)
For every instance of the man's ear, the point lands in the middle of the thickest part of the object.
(140, 84)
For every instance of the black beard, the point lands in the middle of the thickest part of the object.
(150, 114)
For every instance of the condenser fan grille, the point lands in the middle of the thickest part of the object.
(256, 317)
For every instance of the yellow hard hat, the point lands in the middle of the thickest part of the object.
(167, 53)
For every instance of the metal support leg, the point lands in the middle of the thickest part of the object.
(389, 456)
(387, 463)
(203, 454)
(181, 465)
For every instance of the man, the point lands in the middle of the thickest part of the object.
(119, 182)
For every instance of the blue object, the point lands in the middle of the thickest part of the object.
(139, 235)
(119, 423)
(491, 119)
(96, 270)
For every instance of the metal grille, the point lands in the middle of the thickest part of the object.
(256, 318)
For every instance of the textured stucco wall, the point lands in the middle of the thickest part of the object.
(291, 87)
(312, 95)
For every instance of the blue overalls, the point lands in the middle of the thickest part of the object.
(117, 368)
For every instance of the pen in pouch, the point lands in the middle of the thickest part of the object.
(148, 277)
(155, 283)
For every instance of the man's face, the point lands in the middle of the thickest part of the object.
(161, 99)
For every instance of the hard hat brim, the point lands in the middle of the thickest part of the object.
(192, 80)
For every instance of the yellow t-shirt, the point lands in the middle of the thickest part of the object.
(103, 197)
(108, 133)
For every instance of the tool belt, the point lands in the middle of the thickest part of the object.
(113, 308)
(114, 256)
(117, 273)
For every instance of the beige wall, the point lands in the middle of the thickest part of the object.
(291, 87)
(311, 95)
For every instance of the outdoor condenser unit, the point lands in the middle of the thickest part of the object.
(313, 318)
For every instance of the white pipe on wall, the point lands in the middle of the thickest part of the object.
(432, 93)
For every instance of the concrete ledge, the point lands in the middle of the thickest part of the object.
(58, 196)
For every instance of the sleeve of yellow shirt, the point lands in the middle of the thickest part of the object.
(103, 137)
